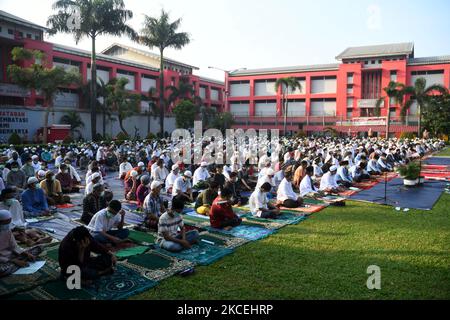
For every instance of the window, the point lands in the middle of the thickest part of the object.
(323, 84)
(240, 89)
(431, 76)
(350, 78)
(350, 102)
(349, 113)
(37, 37)
(265, 88)
(373, 62)
(240, 108)
(10, 31)
(349, 88)
(28, 35)
(21, 34)
(394, 75)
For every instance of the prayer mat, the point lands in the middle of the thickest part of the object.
(422, 197)
(246, 194)
(222, 240)
(130, 252)
(306, 209)
(156, 266)
(196, 221)
(432, 167)
(12, 284)
(248, 232)
(286, 218)
(348, 193)
(202, 253)
(54, 290)
(142, 237)
(134, 218)
(65, 206)
(73, 215)
(57, 228)
(442, 161)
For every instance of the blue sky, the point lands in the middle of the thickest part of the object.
(231, 34)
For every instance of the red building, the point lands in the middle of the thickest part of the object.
(341, 96)
(140, 67)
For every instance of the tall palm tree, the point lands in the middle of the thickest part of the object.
(153, 109)
(394, 91)
(286, 84)
(185, 90)
(96, 18)
(74, 120)
(162, 33)
(421, 94)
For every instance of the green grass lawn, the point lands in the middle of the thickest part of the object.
(444, 153)
(326, 257)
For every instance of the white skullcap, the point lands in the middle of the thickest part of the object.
(155, 184)
(32, 180)
(141, 164)
(204, 164)
(96, 175)
(270, 172)
(41, 173)
(134, 173)
(34, 157)
(5, 215)
(175, 167)
(333, 168)
(187, 174)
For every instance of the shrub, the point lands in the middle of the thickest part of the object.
(407, 135)
(15, 139)
(300, 134)
(411, 171)
(68, 139)
(121, 136)
(151, 136)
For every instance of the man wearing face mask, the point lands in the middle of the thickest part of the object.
(76, 180)
(259, 203)
(35, 163)
(12, 257)
(16, 177)
(53, 191)
(143, 190)
(65, 179)
(10, 203)
(222, 215)
(28, 168)
(15, 158)
(93, 203)
(106, 226)
(182, 187)
(153, 206)
(34, 201)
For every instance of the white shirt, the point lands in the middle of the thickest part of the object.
(306, 186)
(73, 173)
(328, 181)
(200, 174)
(285, 191)
(170, 180)
(2, 184)
(263, 180)
(16, 210)
(160, 174)
(182, 185)
(257, 201)
(100, 222)
(124, 168)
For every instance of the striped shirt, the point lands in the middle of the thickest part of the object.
(169, 224)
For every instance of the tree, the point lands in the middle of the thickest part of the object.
(123, 102)
(223, 121)
(185, 90)
(40, 78)
(74, 120)
(91, 18)
(152, 107)
(208, 115)
(185, 113)
(285, 84)
(395, 91)
(421, 94)
(162, 33)
(436, 115)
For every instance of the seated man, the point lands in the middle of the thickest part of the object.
(12, 257)
(28, 168)
(358, 172)
(10, 203)
(328, 182)
(343, 177)
(170, 180)
(286, 195)
(65, 179)
(16, 177)
(206, 198)
(182, 188)
(201, 176)
(222, 215)
(124, 167)
(34, 201)
(259, 203)
(93, 203)
(168, 236)
(235, 186)
(96, 178)
(153, 206)
(307, 187)
(218, 176)
(106, 226)
(143, 190)
(131, 185)
(53, 191)
(373, 167)
(75, 250)
(76, 180)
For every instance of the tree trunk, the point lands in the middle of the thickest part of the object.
(161, 94)
(148, 121)
(419, 124)
(45, 131)
(104, 122)
(121, 125)
(93, 91)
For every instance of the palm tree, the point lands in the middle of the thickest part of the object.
(394, 91)
(421, 94)
(74, 120)
(152, 110)
(161, 33)
(285, 84)
(97, 17)
(185, 90)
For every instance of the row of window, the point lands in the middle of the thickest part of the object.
(21, 34)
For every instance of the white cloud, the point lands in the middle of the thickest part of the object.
(374, 19)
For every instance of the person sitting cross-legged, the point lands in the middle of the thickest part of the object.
(328, 182)
(34, 201)
(286, 195)
(106, 226)
(168, 236)
(65, 179)
(222, 215)
(53, 190)
(259, 203)
(206, 198)
(93, 203)
(75, 250)
(154, 205)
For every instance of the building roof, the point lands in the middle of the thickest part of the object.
(382, 50)
(294, 69)
(85, 53)
(15, 19)
(428, 60)
(218, 82)
(147, 54)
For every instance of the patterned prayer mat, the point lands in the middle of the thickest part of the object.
(57, 228)
(201, 253)
(130, 252)
(222, 240)
(196, 221)
(133, 218)
(286, 218)
(156, 266)
(142, 237)
(249, 232)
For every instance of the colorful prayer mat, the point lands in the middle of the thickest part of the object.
(286, 218)
(222, 240)
(130, 252)
(156, 266)
(142, 237)
(196, 221)
(201, 253)
(65, 206)
(133, 218)
(56, 228)
(248, 232)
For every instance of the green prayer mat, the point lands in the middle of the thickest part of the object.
(129, 252)
(195, 221)
(222, 240)
(156, 266)
(141, 237)
(201, 253)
